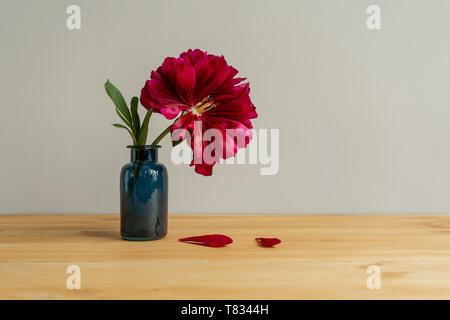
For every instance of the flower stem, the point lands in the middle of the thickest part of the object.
(134, 176)
(161, 135)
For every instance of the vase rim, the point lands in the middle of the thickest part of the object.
(148, 146)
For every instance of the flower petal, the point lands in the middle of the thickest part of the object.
(203, 168)
(185, 78)
(268, 242)
(210, 240)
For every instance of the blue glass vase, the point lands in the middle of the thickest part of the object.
(143, 196)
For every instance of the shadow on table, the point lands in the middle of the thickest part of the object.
(114, 235)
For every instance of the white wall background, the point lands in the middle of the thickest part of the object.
(364, 116)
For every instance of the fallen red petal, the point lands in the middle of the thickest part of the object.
(268, 242)
(210, 240)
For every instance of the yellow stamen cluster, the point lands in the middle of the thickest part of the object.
(206, 104)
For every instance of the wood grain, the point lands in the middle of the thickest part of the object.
(321, 257)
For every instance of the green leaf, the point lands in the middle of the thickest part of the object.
(123, 118)
(118, 125)
(136, 122)
(119, 102)
(144, 128)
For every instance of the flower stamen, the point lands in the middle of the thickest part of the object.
(204, 105)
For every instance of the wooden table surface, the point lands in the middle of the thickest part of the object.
(321, 257)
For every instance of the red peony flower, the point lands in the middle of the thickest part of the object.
(203, 90)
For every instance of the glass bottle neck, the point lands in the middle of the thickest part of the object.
(144, 154)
